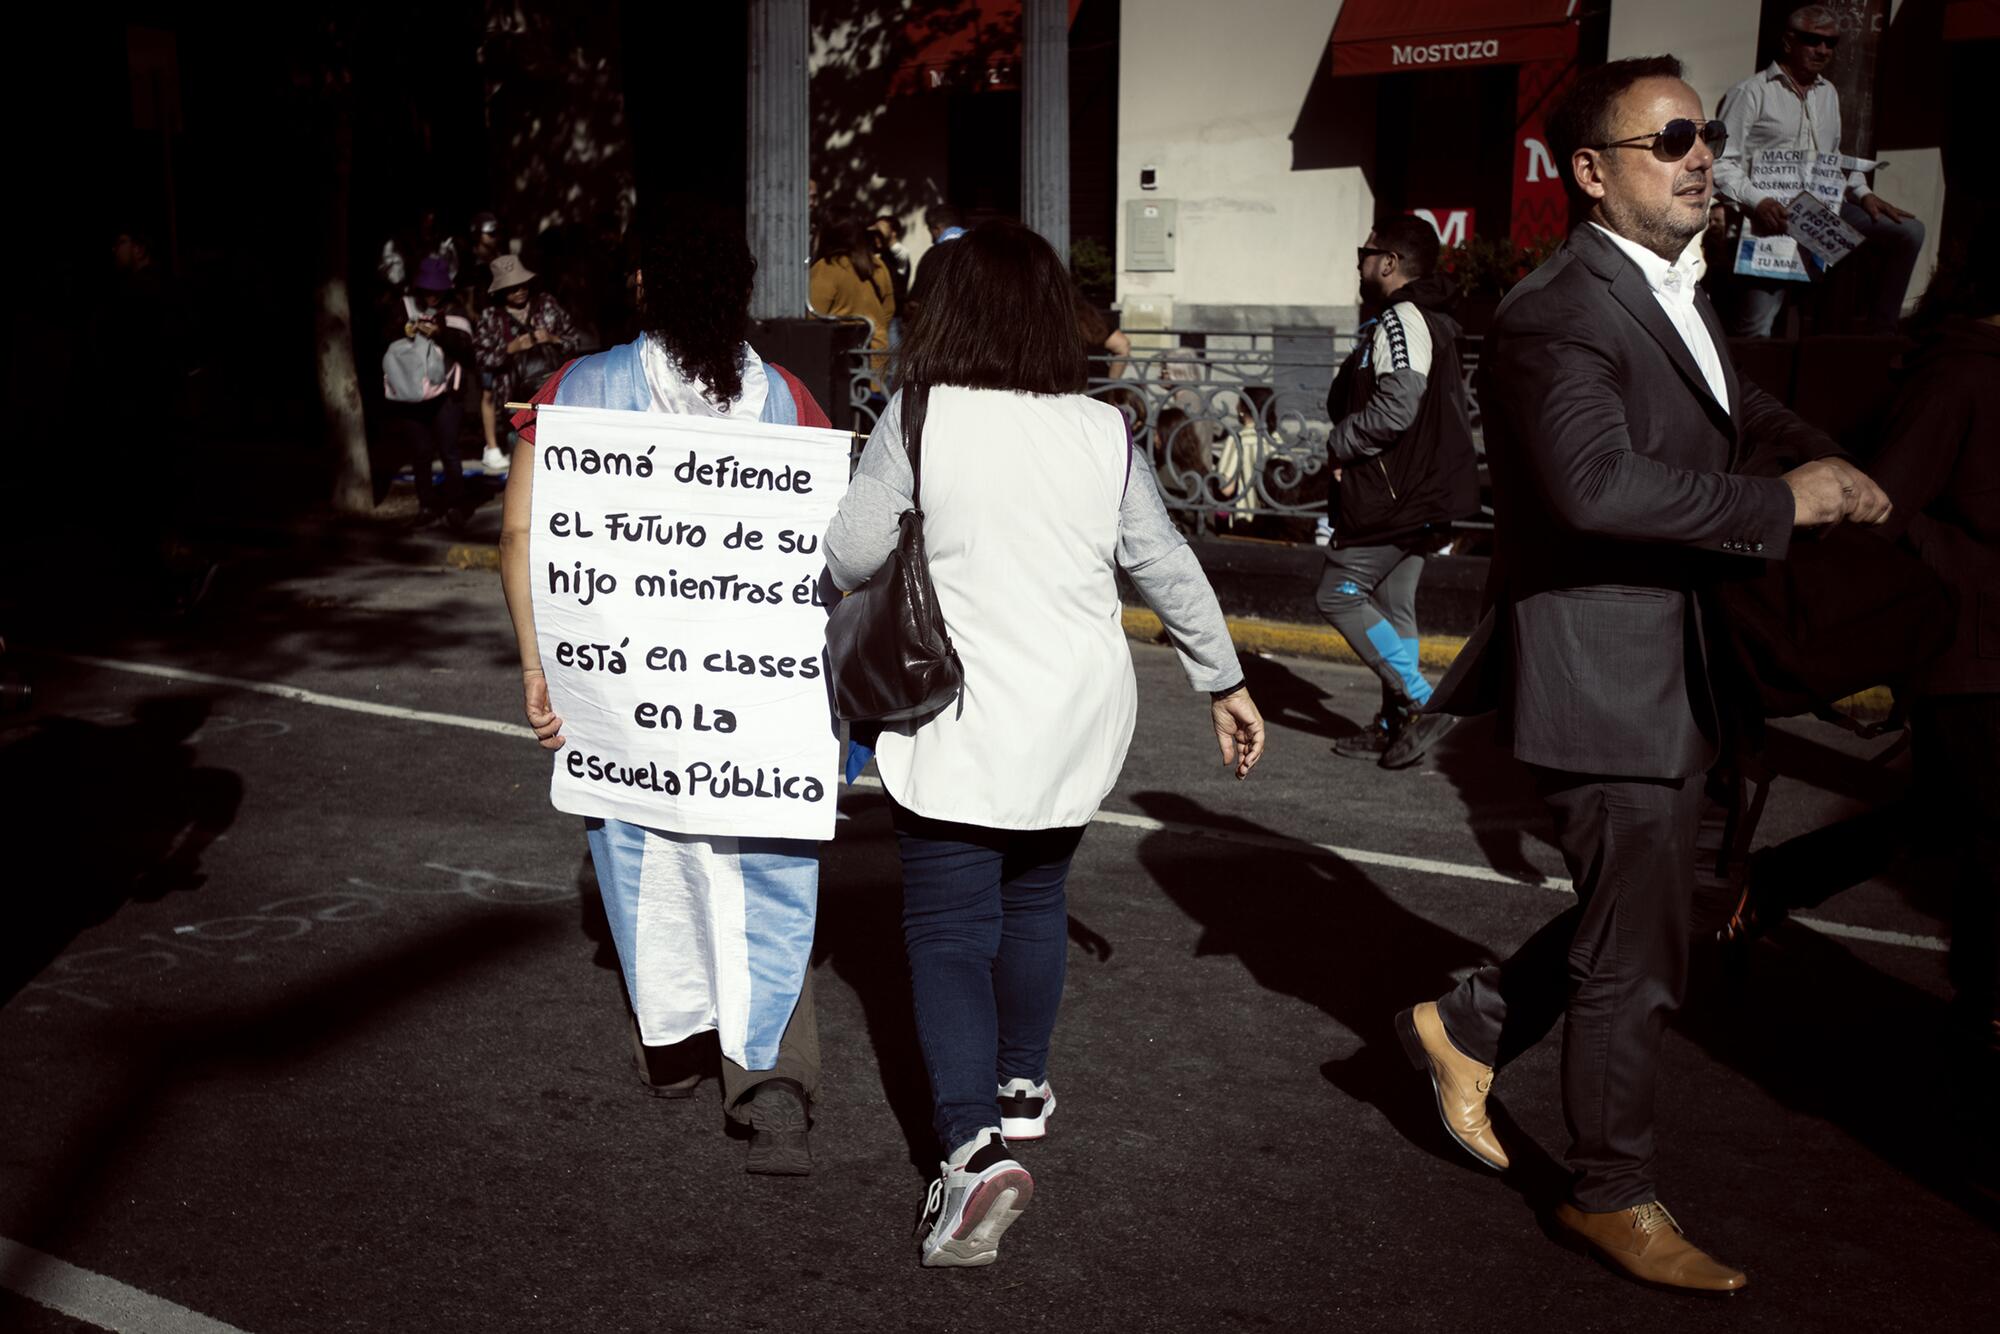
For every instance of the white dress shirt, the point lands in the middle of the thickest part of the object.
(1673, 286)
(1766, 111)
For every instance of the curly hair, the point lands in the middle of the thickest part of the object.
(695, 298)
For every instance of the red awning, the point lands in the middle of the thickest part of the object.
(1391, 36)
(1971, 20)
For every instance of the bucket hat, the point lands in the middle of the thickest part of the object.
(509, 271)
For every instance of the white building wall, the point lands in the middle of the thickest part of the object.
(1208, 94)
(1716, 40)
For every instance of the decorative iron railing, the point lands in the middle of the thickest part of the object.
(1235, 423)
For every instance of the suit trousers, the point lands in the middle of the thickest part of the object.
(1612, 968)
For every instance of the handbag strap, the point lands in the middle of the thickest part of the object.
(916, 404)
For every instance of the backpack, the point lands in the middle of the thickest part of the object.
(415, 369)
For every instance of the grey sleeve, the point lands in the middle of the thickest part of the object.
(1402, 360)
(1163, 567)
(1380, 422)
(865, 527)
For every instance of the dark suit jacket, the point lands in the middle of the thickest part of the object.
(1621, 491)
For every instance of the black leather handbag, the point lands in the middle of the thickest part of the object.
(891, 658)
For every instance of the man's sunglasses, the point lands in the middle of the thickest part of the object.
(1676, 139)
(1827, 40)
(1362, 252)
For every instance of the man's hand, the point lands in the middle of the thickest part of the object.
(1239, 731)
(1879, 208)
(522, 344)
(1829, 490)
(1866, 502)
(1769, 217)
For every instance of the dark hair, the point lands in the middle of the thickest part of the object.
(940, 216)
(850, 239)
(1000, 314)
(895, 224)
(695, 300)
(1414, 241)
(1582, 117)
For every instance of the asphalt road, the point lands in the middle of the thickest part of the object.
(310, 1024)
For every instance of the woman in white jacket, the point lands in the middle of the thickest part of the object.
(1031, 503)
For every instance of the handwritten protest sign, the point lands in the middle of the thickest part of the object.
(675, 562)
(1819, 230)
(1787, 172)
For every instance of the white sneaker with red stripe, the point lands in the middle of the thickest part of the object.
(979, 1193)
(1025, 1108)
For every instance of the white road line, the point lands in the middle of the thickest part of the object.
(1359, 856)
(305, 696)
(104, 1302)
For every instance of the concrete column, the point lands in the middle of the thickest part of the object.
(775, 195)
(1045, 120)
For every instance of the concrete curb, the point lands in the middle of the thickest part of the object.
(1251, 635)
(472, 556)
(1436, 652)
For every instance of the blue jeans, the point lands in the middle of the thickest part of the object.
(1759, 302)
(987, 933)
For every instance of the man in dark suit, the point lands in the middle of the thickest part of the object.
(1631, 469)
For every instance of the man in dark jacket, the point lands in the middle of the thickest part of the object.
(1403, 470)
(1632, 469)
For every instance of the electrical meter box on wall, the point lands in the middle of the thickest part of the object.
(1150, 225)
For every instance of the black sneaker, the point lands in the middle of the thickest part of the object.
(1025, 1108)
(1418, 736)
(1372, 741)
(979, 1193)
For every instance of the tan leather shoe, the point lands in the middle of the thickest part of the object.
(1646, 1243)
(1461, 1083)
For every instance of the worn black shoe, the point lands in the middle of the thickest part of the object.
(666, 1072)
(1418, 736)
(1372, 741)
(778, 1122)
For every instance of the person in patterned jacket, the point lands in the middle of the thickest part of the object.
(1404, 469)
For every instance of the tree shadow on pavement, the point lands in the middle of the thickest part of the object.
(155, 1062)
(97, 815)
(1320, 929)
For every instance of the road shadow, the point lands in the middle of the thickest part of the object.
(1288, 699)
(97, 815)
(1502, 810)
(1320, 929)
(1831, 1036)
(264, 1037)
(860, 935)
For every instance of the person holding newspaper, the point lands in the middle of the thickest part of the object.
(1792, 106)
